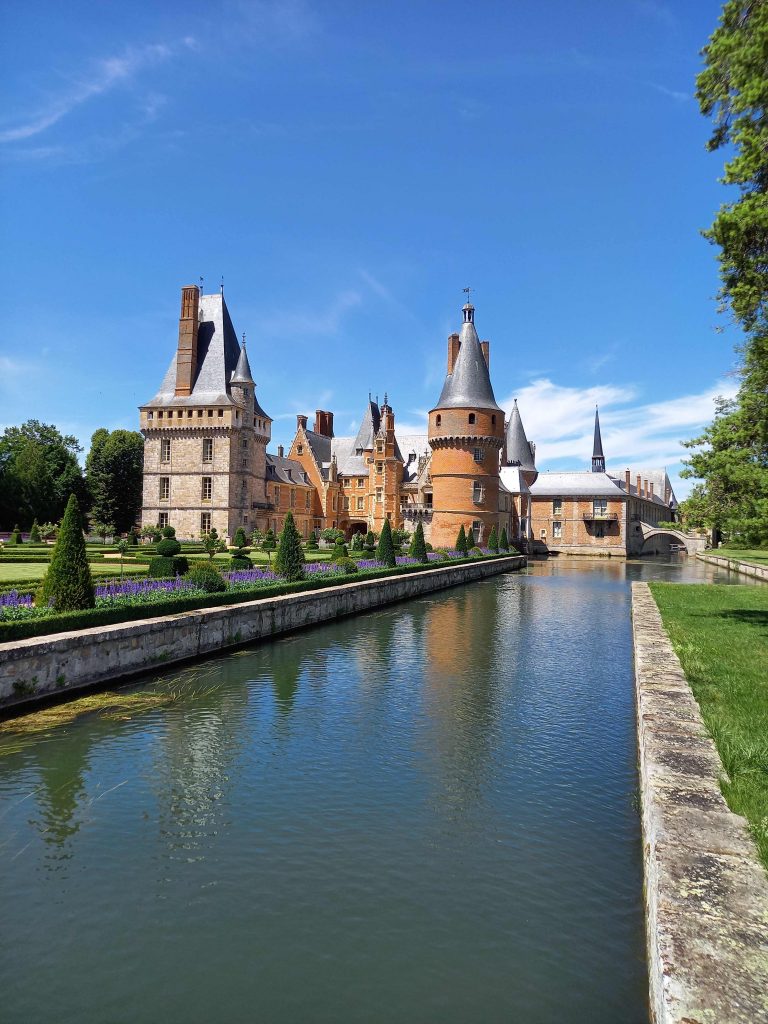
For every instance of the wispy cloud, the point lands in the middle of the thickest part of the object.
(105, 75)
(674, 94)
(324, 322)
(657, 11)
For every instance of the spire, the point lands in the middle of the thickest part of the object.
(469, 386)
(242, 374)
(598, 459)
(519, 451)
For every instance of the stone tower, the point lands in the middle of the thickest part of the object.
(466, 434)
(386, 471)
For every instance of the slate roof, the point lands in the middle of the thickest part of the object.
(287, 471)
(577, 484)
(513, 479)
(519, 451)
(369, 426)
(658, 477)
(597, 444)
(321, 449)
(219, 357)
(469, 386)
(242, 374)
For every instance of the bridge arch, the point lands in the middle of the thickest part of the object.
(670, 536)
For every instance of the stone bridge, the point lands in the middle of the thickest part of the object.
(692, 542)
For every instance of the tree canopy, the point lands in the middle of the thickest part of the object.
(38, 472)
(731, 456)
(113, 470)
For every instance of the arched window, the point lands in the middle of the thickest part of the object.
(471, 417)
(493, 419)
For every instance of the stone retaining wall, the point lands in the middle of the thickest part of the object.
(706, 892)
(757, 572)
(41, 666)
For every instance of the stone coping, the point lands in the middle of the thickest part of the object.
(706, 892)
(52, 665)
(756, 572)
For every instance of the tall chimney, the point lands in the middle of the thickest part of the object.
(486, 347)
(627, 478)
(639, 486)
(645, 488)
(186, 354)
(324, 423)
(454, 344)
(280, 451)
(650, 493)
(301, 422)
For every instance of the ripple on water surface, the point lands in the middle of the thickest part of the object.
(422, 814)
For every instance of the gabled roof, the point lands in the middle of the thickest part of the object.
(519, 451)
(658, 477)
(469, 386)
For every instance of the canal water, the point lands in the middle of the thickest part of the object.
(423, 814)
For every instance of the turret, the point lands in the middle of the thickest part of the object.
(598, 459)
(519, 450)
(466, 433)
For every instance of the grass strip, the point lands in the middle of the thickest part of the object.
(720, 635)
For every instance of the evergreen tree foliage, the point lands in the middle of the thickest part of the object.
(370, 541)
(212, 543)
(731, 458)
(385, 550)
(240, 540)
(493, 540)
(357, 542)
(269, 544)
(289, 560)
(461, 541)
(15, 537)
(67, 584)
(38, 472)
(418, 545)
(133, 537)
(113, 472)
(339, 550)
(312, 542)
(504, 542)
(34, 533)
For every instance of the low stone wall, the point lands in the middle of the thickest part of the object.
(756, 572)
(706, 891)
(41, 666)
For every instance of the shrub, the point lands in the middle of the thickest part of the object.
(15, 537)
(357, 542)
(67, 584)
(239, 540)
(475, 552)
(312, 542)
(168, 532)
(269, 544)
(349, 565)
(256, 538)
(493, 540)
(400, 537)
(162, 567)
(339, 550)
(429, 547)
(169, 547)
(289, 560)
(370, 541)
(418, 546)
(213, 543)
(34, 533)
(461, 541)
(180, 565)
(240, 560)
(385, 550)
(207, 578)
(504, 542)
(133, 537)
(329, 535)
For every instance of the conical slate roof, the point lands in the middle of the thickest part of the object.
(518, 449)
(368, 427)
(597, 446)
(242, 374)
(469, 386)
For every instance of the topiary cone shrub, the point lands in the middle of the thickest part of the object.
(289, 560)
(168, 548)
(15, 537)
(504, 542)
(370, 541)
(493, 540)
(239, 540)
(312, 544)
(385, 551)
(461, 541)
(418, 545)
(34, 534)
(67, 584)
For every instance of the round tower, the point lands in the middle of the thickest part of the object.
(466, 434)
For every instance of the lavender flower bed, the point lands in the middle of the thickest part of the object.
(116, 591)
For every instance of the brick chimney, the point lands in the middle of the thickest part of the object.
(186, 355)
(454, 344)
(280, 451)
(639, 486)
(651, 490)
(627, 478)
(301, 422)
(486, 347)
(324, 423)
(645, 488)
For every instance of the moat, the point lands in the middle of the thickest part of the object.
(427, 813)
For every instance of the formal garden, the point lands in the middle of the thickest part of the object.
(47, 586)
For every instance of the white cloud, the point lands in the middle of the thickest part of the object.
(322, 322)
(105, 75)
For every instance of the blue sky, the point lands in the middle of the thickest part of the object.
(348, 168)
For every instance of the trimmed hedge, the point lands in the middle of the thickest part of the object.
(12, 631)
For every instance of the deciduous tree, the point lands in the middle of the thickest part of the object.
(114, 468)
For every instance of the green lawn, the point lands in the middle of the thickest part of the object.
(720, 634)
(36, 570)
(760, 555)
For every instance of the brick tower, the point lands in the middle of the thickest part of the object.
(466, 433)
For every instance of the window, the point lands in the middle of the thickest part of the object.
(165, 450)
(438, 420)
(293, 497)
(599, 507)
(244, 444)
(150, 415)
(277, 495)
(428, 500)
(189, 413)
(299, 449)
(360, 504)
(199, 413)
(477, 493)
(346, 504)
(471, 417)
(207, 488)
(334, 503)
(379, 446)
(170, 414)
(477, 454)
(307, 499)
(493, 420)
(557, 507)
(221, 412)
(244, 463)
(210, 412)
(378, 494)
(245, 517)
(477, 532)
(379, 467)
(360, 482)
(207, 449)
(205, 522)
(165, 488)
(557, 530)
(160, 414)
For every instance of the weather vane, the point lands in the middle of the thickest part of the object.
(468, 293)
